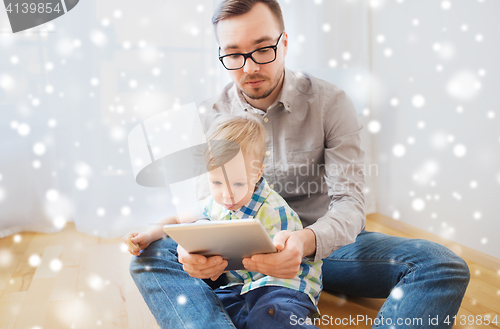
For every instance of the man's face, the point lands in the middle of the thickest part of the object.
(242, 34)
(232, 185)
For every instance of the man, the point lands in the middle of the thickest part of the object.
(313, 159)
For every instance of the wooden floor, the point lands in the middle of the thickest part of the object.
(83, 282)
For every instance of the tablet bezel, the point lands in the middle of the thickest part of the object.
(231, 239)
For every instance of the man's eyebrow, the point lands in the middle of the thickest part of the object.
(256, 42)
(266, 38)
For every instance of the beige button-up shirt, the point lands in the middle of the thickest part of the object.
(313, 155)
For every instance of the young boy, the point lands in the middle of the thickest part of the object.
(238, 191)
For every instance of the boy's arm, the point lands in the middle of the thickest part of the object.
(137, 241)
(156, 232)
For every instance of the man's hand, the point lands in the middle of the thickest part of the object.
(201, 267)
(284, 264)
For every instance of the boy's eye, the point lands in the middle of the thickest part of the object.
(216, 182)
(239, 184)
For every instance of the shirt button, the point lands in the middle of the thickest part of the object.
(268, 153)
(271, 186)
(266, 119)
(270, 312)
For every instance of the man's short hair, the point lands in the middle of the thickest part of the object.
(231, 8)
(245, 129)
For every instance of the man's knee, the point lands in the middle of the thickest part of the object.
(446, 263)
(455, 264)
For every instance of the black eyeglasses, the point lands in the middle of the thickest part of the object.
(262, 55)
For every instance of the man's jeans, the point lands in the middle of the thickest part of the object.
(421, 280)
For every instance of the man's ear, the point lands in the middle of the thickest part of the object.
(285, 42)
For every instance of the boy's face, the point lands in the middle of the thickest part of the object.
(233, 184)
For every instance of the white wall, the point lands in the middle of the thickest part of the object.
(83, 125)
(450, 58)
(68, 100)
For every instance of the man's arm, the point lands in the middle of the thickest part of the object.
(344, 170)
(308, 240)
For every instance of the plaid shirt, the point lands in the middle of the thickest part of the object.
(275, 215)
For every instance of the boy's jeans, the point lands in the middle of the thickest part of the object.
(427, 280)
(267, 307)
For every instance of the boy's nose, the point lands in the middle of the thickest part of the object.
(227, 194)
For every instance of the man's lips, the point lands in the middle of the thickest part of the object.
(254, 83)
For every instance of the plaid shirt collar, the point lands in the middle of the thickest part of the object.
(250, 209)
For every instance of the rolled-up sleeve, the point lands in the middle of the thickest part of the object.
(344, 174)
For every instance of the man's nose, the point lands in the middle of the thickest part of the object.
(250, 66)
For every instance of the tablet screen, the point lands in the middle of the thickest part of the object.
(233, 239)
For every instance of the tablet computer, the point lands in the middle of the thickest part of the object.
(231, 239)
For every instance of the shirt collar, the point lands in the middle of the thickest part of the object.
(285, 97)
(288, 90)
(250, 209)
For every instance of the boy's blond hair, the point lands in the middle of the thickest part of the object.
(243, 128)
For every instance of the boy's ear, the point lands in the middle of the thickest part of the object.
(261, 171)
(259, 175)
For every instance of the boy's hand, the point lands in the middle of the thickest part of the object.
(284, 264)
(137, 241)
(201, 267)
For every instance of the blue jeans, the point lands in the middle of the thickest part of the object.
(430, 281)
(266, 307)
